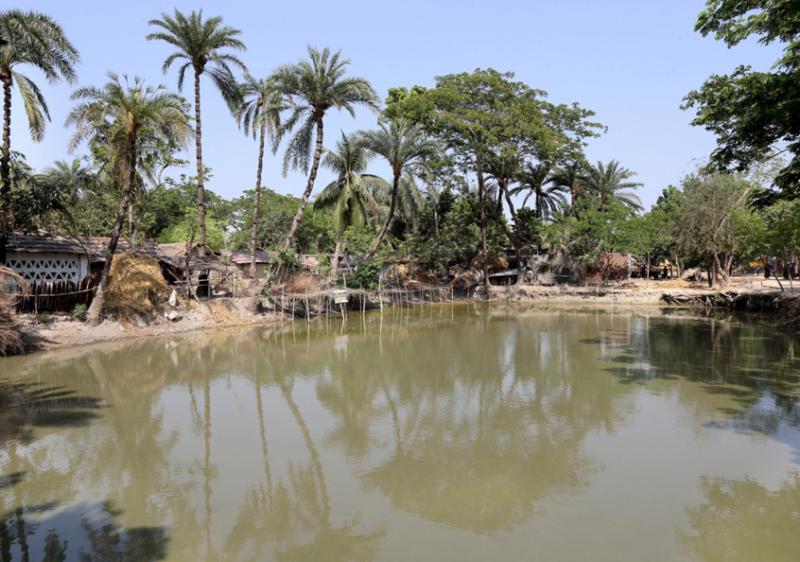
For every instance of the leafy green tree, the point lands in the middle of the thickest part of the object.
(582, 237)
(491, 123)
(753, 114)
(611, 181)
(36, 40)
(350, 194)
(260, 111)
(402, 144)
(713, 220)
(186, 228)
(313, 87)
(123, 117)
(647, 236)
(203, 46)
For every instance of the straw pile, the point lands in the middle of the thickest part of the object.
(135, 285)
(11, 341)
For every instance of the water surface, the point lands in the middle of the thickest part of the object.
(442, 433)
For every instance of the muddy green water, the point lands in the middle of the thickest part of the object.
(451, 433)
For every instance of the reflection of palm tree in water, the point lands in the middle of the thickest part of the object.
(330, 543)
(207, 467)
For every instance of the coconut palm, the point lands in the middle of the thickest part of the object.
(350, 194)
(36, 40)
(610, 181)
(313, 87)
(548, 195)
(402, 144)
(124, 118)
(260, 112)
(202, 45)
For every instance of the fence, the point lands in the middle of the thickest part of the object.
(59, 296)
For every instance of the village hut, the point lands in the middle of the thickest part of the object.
(61, 271)
(241, 259)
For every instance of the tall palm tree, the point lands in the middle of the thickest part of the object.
(610, 181)
(36, 40)
(202, 44)
(349, 195)
(570, 177)
(260, 111)
(124, 118)
(538, 182)
(313, 87)
(402, 144)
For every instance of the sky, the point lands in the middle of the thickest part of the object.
(630, 61)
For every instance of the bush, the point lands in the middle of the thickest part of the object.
(79, 312)
(365, 276)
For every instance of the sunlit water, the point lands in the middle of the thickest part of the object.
(444, 433)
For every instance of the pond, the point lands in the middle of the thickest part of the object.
(448, 432)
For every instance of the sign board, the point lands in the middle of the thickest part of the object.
(340, 296)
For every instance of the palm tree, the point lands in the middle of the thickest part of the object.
(570, 177)
(402, 144)
(201, 44)
(548, 195)
(71, 178)
(610, 181)
(124, 119)
(260, 111)
(313, 87)
(349, 195)
(33, 39)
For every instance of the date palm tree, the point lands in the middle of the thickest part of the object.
(125, 118)
(402, 144)
(610, 181)
(313, 87)
(571, 177)
(350, 194)
(203, 46)
(259, 113)
(36, 40)
(548, 195)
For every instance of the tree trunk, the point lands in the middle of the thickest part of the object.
(503, 186)
(312, 175)
(484, 246)
(198, 147)
(257, 205)
(5, 170)
(337, 251)
(95, 313)
(392, 205)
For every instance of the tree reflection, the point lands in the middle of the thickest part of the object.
(487, 418)
(755, 368)
(741, 521)
(94, 532)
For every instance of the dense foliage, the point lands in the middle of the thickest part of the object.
(483, 166)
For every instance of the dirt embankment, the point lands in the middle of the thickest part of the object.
(61, 331)
(217, 313)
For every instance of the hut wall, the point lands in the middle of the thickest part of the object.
(49, 267)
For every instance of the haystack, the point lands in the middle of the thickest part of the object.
(11, 341)
(135, 285)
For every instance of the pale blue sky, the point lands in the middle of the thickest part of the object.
(631, 61)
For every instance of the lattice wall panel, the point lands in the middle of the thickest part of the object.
(46, 269)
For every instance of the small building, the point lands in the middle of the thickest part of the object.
(55, 258)
(242, 258)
